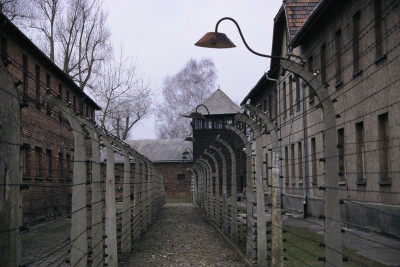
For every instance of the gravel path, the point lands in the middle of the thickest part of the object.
(181, 236)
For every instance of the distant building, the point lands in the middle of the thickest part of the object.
(166, 155)
(221, 111)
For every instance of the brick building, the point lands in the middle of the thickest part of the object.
(48, 147)
(166, 155)
(352, 49)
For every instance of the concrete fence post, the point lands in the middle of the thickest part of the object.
(11, 172)
(260, 197)
(333, 246)
(225, 227)
(276, 213)
(111, 253)
(234, 222)
(143, 197)
(97, 202)
(136, 198)
(207, 175)
(126, 203)
(79, 242)
(250, 239)
(217, 201)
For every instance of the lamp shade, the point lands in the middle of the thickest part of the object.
(196, 115)
(215, 40)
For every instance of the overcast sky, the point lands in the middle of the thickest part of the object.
(161, 34)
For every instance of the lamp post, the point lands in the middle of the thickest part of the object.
(333, 248)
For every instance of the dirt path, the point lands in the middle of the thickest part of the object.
(181, 236)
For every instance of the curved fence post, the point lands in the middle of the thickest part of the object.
(260, 199)
(225, 227)
(111, 218)
(276, 214)
(97, 202)
(11, 174)
(79, 243)
(333, 246)
(250, 239)
(217, 201)
(234, 222)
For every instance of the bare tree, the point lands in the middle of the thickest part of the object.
(183, 92)
(45, 13)
(125, 96)
(15, 10)
(85, 40)
(74, 33)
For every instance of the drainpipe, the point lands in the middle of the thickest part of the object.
(304, 154)
(279, 134)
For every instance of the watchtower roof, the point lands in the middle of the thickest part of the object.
(218, 104)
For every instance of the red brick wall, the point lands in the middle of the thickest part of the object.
(43, 129)
(175, 187)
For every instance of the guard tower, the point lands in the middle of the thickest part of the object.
(219, 110)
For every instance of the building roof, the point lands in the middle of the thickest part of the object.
(218, 104)
(8, 26)
(162, 150)
(297, 12)
(311, 19)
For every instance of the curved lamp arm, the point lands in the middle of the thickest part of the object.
(244, 41)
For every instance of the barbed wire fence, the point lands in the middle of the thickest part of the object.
(365, 135)
(74, 193)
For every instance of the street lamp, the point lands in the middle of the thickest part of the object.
(220, 40)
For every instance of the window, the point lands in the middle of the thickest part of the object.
(48, 163)
(181, 176)
(338, 57)
(356, 43)
(38, 156)
(198, 124)
(314, 161)
(218, 123)
(25, 162)
(60, 166)
(3, 47)
(266, 166)
(293, 163)
(384, 155)
(48, 81)
(284, 99)
(265, 105)
(67, 96)
(341, 151)
(60, 90)
(37, 75)
(300, 164)
(208, 124)
(25, 76)
(360, 152)
(48, 108)
(380, 28)
(67, 163)
(74, 103)
(323, 64)
(291, 94)
(287, 164)
(297, 78)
